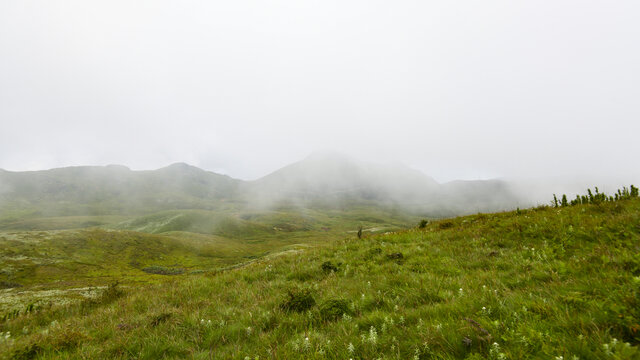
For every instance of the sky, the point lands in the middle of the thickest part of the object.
(457, 89)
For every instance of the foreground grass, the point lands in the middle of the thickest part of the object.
(544, 283)
(49, 267)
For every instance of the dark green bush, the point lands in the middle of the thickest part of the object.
(329, 267)
(423, 224)
(298, 300)
(397, 257)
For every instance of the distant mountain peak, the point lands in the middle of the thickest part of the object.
(181, 166)
(118, 167)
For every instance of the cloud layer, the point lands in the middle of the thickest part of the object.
(456, 89)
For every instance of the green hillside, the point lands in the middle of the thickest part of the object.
(548, 283)
(39, 266)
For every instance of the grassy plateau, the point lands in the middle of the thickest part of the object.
(542, 283)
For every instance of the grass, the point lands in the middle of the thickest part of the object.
(47, 267)
(545, 283)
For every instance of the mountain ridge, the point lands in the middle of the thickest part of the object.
(318, 180)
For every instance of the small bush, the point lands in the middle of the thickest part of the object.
(161, 270)
(397, 257)
(329, 267)
(298, 300)
(334, 309)
(26, 352)
(423, 224)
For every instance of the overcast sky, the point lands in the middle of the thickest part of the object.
(457, 89)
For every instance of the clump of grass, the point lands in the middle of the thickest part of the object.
(161, 270)
(63, 339)
(333, 309)
(160, 318)
(398, 257)
(329, 267)
(298, 300)
(372, 253)
(9, 285)
(445, 225)
(109, 295)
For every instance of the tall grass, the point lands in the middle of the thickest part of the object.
(549, 283)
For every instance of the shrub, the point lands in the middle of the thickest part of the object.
(398, 257)
(334, 309)
(329, 267)
(298, 300)
(423, 224)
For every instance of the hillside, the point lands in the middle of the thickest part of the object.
(111, 190)
(327, 181)
(551, 283)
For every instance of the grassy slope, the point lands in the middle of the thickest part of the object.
(539, 283)
(54, 266)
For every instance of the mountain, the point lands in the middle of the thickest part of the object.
(321, 180)
(114, 189)
(334, 177)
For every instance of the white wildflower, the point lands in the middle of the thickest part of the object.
(373, 335)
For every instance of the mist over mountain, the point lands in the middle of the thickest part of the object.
(113, 189)
(322, 179)
(333, 176)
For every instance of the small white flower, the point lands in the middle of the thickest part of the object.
(373, 335)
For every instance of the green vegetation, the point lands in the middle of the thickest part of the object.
(545, 283)
(597, 197)
(45, 268)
